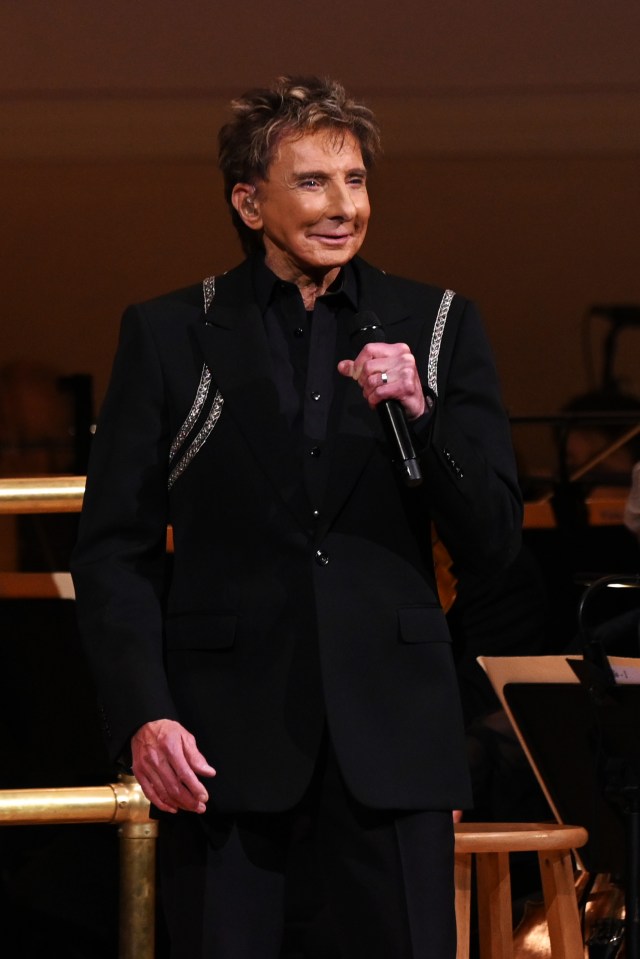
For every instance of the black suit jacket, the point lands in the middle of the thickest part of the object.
(270, 621)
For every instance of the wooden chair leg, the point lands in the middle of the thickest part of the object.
(463, 903)
(494, 905)
(561, 905)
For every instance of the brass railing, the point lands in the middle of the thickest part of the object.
(42, 494)
(122, 803)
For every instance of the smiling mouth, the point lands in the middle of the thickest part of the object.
(332, 237)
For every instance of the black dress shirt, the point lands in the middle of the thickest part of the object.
(305, 348)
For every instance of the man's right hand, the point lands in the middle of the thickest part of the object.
(167, 763)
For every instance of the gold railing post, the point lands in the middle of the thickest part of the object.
(137, 834)
(137, 890)
(123, 802)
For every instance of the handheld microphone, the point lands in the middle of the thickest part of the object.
(366, 328)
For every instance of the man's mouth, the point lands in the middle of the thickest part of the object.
(332, 237)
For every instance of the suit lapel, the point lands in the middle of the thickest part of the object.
(235, 348)
(359, 428)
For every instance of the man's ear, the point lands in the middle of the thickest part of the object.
(245, 202)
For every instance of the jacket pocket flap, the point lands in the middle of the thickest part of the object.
(423, 624)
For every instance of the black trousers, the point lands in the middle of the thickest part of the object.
(330, 879)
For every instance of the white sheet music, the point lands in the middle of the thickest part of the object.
(625, 670)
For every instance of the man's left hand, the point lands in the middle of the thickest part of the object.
(387, 371)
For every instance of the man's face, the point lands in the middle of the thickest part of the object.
(313, 208)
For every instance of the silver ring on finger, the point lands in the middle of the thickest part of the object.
(384, 378)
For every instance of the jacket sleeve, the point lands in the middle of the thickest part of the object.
(119, 562)
(467, 456)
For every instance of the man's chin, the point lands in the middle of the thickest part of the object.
(330, 258)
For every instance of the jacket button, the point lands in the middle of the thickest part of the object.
(322, 559)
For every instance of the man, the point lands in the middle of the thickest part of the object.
(295, 657)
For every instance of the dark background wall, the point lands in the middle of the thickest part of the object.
(510, 169)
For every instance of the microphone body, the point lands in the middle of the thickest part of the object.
(366, 328)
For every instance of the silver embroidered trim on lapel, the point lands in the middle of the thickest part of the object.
(208, 292)
(201, 438)
(436, 340)
(194, 412)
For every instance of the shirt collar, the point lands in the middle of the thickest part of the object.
(266, 284)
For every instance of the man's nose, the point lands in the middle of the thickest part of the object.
(341, 203)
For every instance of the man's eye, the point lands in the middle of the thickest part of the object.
(357, 181)
(310, 183)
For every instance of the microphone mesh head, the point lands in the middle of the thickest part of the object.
(366, 328)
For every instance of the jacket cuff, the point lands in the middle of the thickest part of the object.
(421, 426)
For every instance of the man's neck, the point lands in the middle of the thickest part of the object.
(311, 289)
(311, 285)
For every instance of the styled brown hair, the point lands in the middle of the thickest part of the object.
(292, 107)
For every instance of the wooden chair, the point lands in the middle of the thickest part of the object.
(491, 844)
